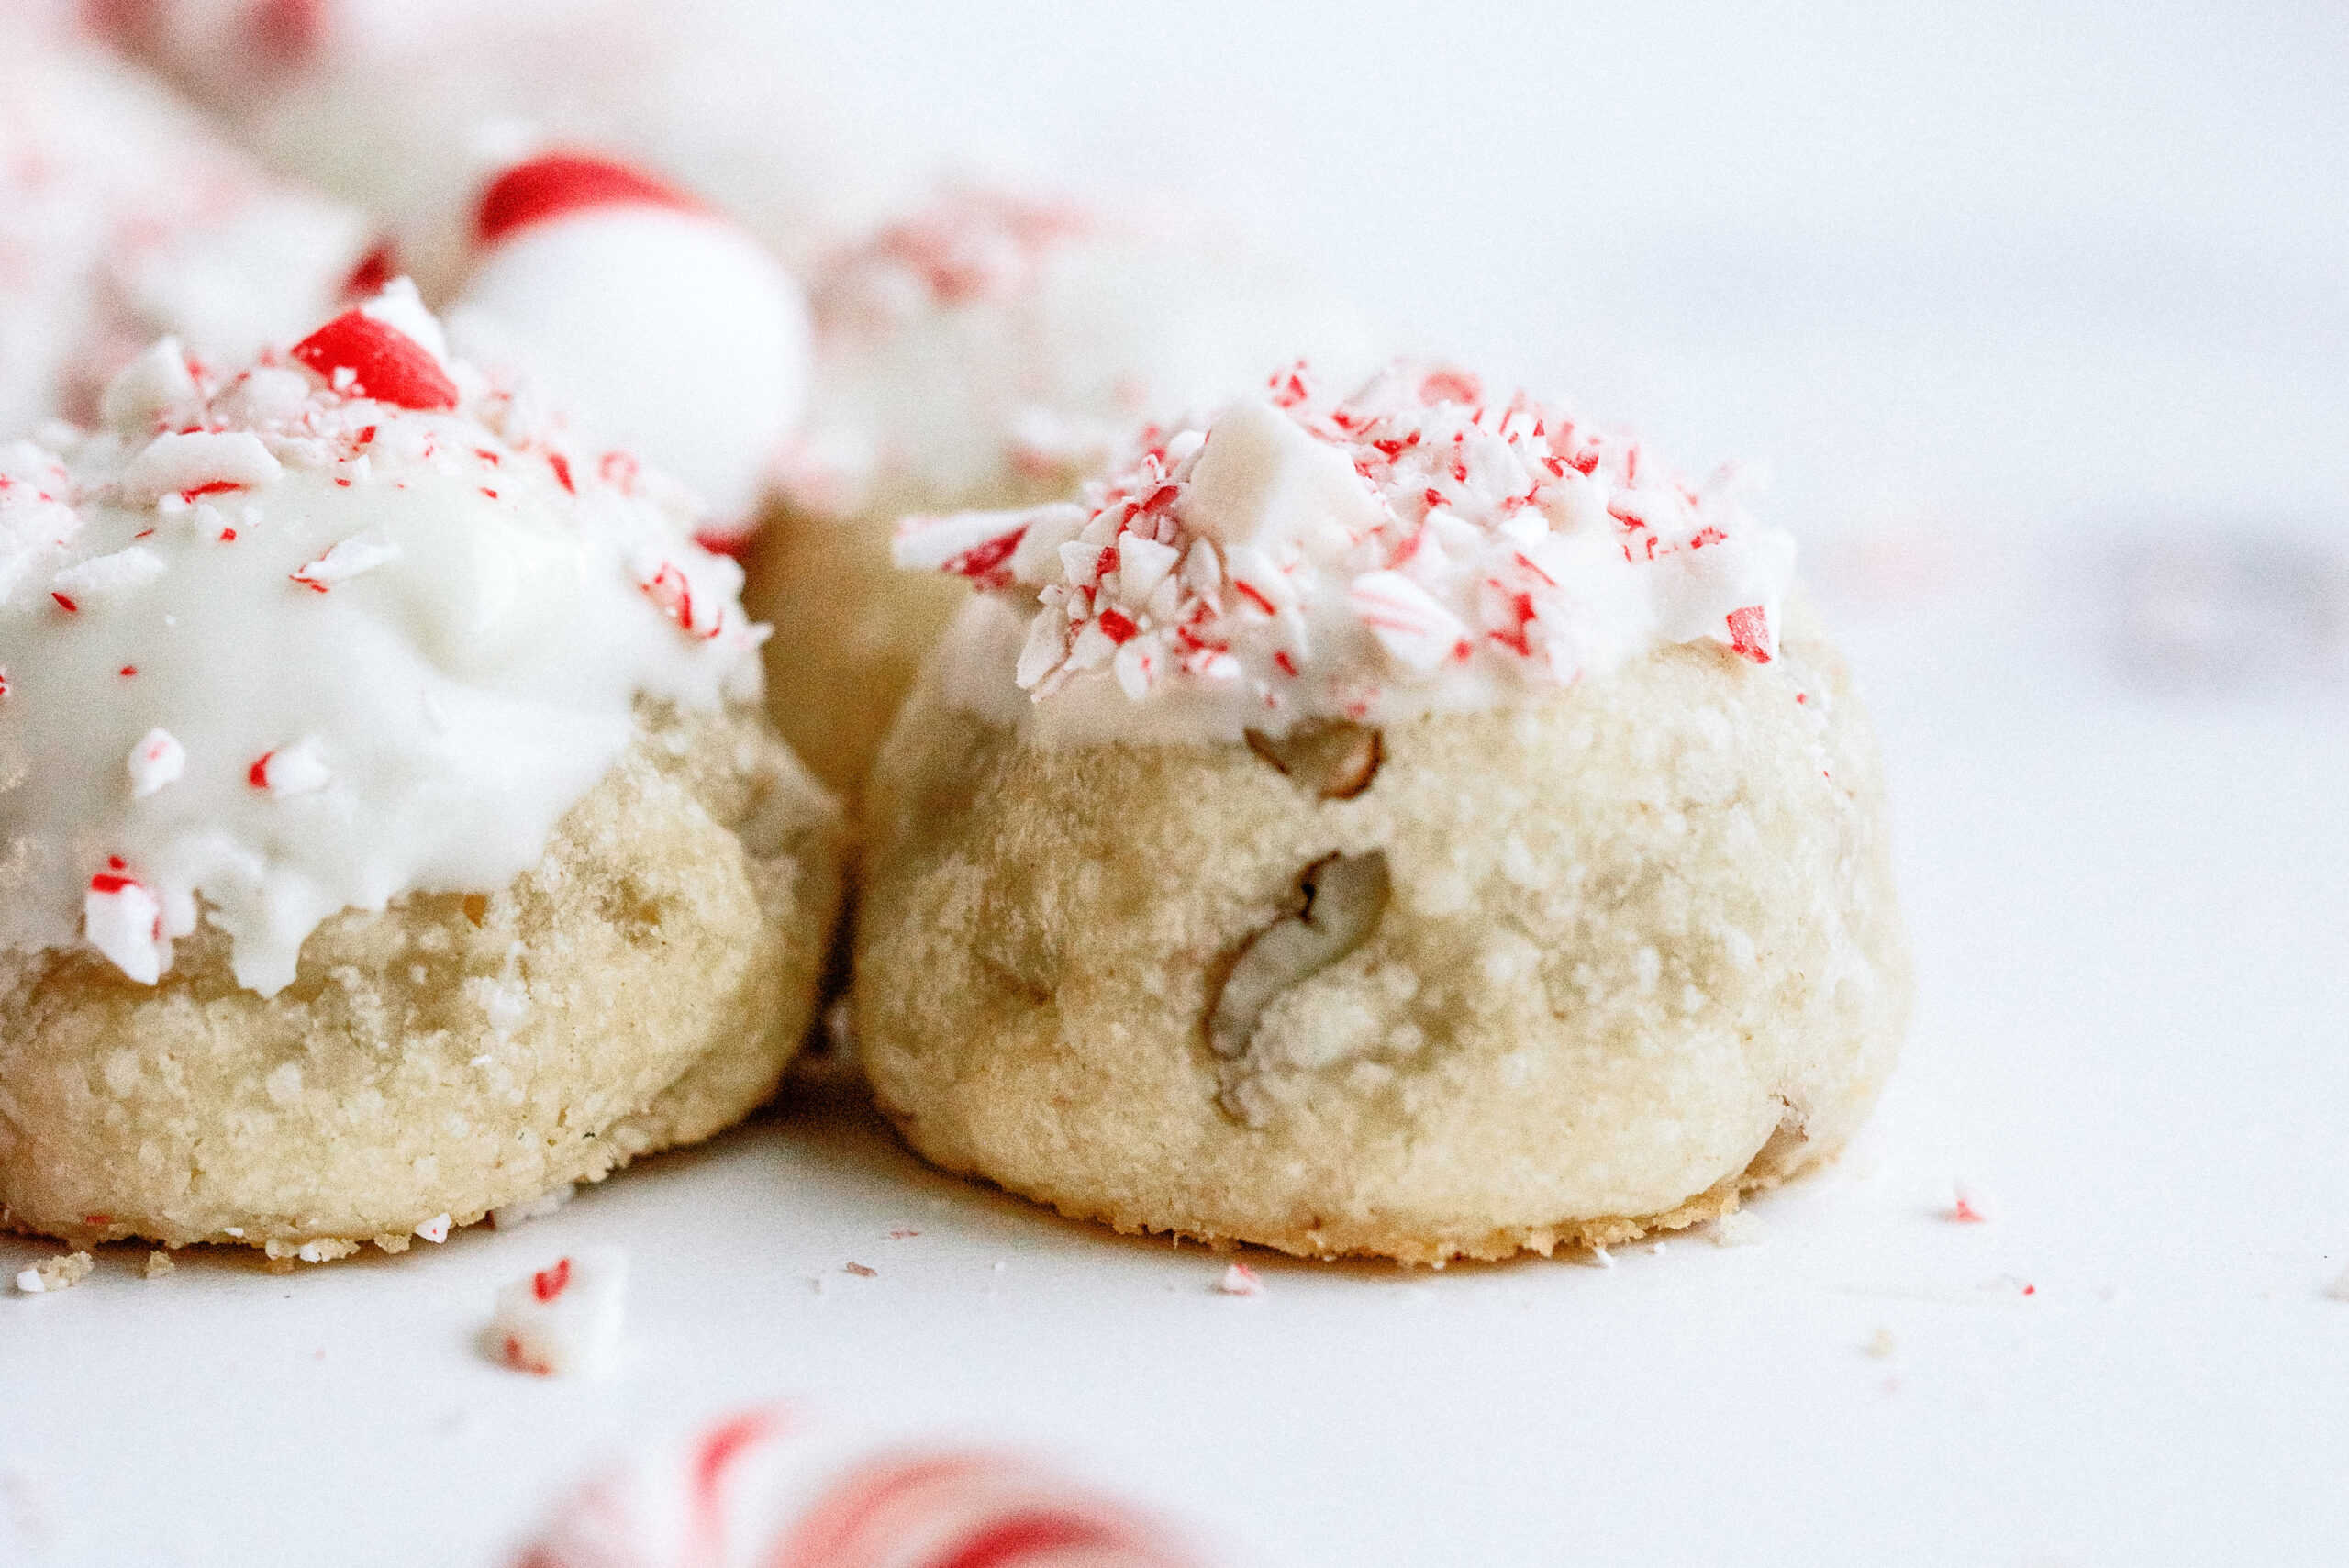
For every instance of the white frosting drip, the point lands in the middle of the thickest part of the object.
(985, 345)
(122, 218)
(1415, 548)
(349, 648)
(663, 329)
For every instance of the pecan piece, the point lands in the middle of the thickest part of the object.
(1340, 900)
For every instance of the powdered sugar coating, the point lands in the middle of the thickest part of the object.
(989, 345)
(1417, 546)
(349, 648)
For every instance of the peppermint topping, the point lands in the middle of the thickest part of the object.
(288, 647)
(123, 919)
(566, 1318)
(555, 185)
(361, 356)
(157, 760)
(989, 347)
(970, 244)
(1418, 545)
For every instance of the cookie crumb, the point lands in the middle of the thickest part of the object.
(62, 1271)
(2338, 1289)
(1736, 1228)
(159, 1264)
(564, 1319)
(1240, 1280)
(901, 1235)
(860, 1271)
(1881, 1344)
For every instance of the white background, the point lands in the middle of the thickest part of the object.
(2012, 299)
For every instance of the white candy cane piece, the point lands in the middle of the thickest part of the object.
(1407, 621)
(159, 759)
(200, 463)
(564, 1319)
(123, 919)
(291, 770)
(360, 552)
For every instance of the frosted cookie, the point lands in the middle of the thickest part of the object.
(391, 104)
(642, 314)
(775, 1486)
(986, 351)
(1412, 823)
(123, 218)
(388, 832)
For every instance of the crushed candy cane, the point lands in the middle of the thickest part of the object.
(1239, 1279)
(353, 616)
(564, 1319)
(1418, 545)
(988, 346)
(157, 761)
(1968, 1206)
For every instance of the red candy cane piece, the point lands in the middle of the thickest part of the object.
(550, 1283)
(669, 588)
(556, 184)
(1749, 634)
(384, 363)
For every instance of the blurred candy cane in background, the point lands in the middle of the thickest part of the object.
(389, 102)
(775, 1486)
(645, 314)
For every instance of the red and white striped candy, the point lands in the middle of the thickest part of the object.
(769, 1487)
(652, 321)
(978, 545)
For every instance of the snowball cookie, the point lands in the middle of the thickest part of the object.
(388, 830)
(1413, 825)
(123, 218)
(986, 349)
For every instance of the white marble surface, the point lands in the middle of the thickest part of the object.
(2000, 290)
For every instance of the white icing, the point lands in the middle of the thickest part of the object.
(1415, 548)
(986, 346)
(668, 331)
(386, 658)
(123, 218)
